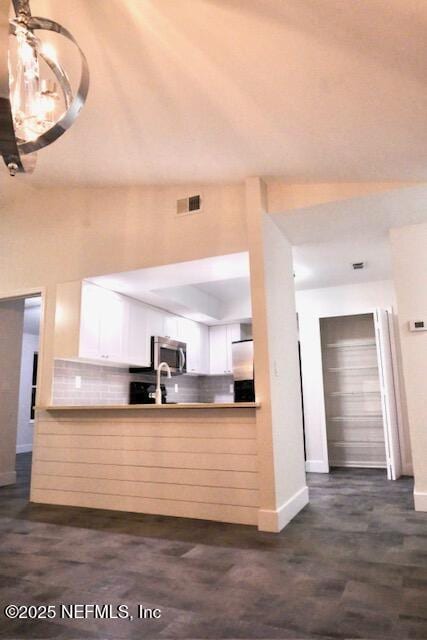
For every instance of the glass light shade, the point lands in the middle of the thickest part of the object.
(33, 100)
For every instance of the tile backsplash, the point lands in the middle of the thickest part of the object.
(82, 383)
(216, 389)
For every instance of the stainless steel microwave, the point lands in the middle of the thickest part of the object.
(166, 350)
(173, 352)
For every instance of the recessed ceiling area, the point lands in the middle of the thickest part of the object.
(208, 90)
(211, 290)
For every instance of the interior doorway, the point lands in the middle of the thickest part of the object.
(19, 350)
(28, 375)
(359, 392)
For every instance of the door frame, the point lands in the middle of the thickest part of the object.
(33, 292)
(368, 311)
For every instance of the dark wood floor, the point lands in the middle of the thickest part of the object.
(353, 564)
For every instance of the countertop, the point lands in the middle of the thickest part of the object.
(152, 407)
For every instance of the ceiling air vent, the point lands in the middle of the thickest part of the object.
(193, 204)
(358, 265)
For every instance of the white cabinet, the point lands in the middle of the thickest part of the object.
(90, 320)
(103, 324)
(203, 348)
(113, 327)
(98, 325)
(220, 339)
(155, 321)
(170, 326)
(196, 337)
(138, 352)
(218, 350)
(145, 322)
(91, 323)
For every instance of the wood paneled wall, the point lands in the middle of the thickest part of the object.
(189, 463)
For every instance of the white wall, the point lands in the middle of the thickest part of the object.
(409, 251)
(283, 490)
(24, 439)
(326, 302)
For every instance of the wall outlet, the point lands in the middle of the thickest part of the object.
(417, 325)
(231, 388)
(78, 382)
(176, 387)
(275, 369)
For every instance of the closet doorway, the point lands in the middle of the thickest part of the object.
(360, 393)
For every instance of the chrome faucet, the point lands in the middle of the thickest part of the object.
(162, 365)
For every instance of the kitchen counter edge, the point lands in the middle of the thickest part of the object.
(151, 407)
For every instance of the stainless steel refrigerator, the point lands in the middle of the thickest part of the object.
(243, 370)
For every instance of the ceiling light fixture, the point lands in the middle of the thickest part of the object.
(33, 112)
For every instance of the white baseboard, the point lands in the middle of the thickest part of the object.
(274, 520)
(420, 499)
(8, 477)
(316, 466)
(24, 448)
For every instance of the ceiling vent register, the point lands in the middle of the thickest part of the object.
(185, 206)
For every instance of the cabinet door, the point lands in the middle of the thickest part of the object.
(113, 327)
(90, 321)
(170, 324)
(218, 350)
(220, 339)
(195, 335)
(233, 334)
(187, 334)
(155, 323)
(138, 335)
(204, 349)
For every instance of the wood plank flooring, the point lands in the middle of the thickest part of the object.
(353, 564)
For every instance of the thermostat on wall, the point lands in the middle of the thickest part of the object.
(417, 325)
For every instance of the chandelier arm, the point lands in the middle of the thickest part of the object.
(65, 122)
(8, 144)
(22, 8)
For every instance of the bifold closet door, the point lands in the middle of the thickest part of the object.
(388, 393)
(354, 420)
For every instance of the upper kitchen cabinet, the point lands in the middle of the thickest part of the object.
(145, 322)
(220, 339)
(99, 325)
(155, 320)
(196, 337)
(170, 326)
(91, 323)
(141, 324)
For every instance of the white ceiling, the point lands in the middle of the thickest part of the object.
(208, 90)
(359, 229)
(329, 264)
